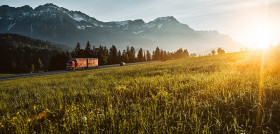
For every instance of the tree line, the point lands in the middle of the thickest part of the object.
(112, 55)
(21, 54)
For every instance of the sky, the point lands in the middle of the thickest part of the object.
(241, 19)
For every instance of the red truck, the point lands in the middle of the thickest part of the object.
(81, 63)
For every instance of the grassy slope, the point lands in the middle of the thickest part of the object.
(206, 94)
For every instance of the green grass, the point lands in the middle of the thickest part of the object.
(214, 94)
(6, 74)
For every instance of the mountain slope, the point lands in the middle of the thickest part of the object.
(60, 25)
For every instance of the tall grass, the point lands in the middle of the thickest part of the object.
(213, 94)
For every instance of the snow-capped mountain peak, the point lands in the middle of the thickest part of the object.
(49, 7)
(165, 19)
(60, 25)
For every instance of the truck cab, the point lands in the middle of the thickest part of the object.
(70, 65)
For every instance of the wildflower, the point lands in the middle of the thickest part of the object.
(85, 118)
(34, 107)
(163, 93)
(61, 107)
(43, 114)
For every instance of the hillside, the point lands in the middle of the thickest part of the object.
(21, 54)
(229, 93)
(57, 24)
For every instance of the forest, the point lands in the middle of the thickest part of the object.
(20, 54)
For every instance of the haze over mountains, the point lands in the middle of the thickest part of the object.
(59, 25)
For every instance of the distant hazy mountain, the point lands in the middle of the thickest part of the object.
(57, 24)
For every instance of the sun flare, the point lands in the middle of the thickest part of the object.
(260, 34)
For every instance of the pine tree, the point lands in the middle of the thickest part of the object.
(179, 53)
(77, 51)
(140, 56)
(113, 55)
(148, 56)
(119, 57)
(153, 56)
(125, 56)
(186, 53)
(163, 55)
(102, 55)
(131, 54)
(93, 52)
(156, 54)
(87, 50)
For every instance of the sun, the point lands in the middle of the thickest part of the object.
(262, 37)
(260, 34)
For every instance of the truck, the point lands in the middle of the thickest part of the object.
(81, 63)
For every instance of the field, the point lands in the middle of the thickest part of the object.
(6, 74)
(231, 93)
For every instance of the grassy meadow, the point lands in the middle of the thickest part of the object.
(230, 93)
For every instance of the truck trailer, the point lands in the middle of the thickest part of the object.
(81, 63)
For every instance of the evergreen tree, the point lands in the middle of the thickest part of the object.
(186, 53)
(140, 56)
(179, 53)
(163, 55)
(93, 52)
(88, 51)
(102, 55)
(125, 56)
(157, 54)
(119, 57)
(77, 51)
(149, 58)
(113, 53)
(68, 55)
(153, 56)
(58, 61)
(131, 54)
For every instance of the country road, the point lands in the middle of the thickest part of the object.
(3, 78)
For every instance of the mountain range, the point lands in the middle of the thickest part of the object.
(59, 25)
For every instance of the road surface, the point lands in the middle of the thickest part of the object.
(3, 78)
